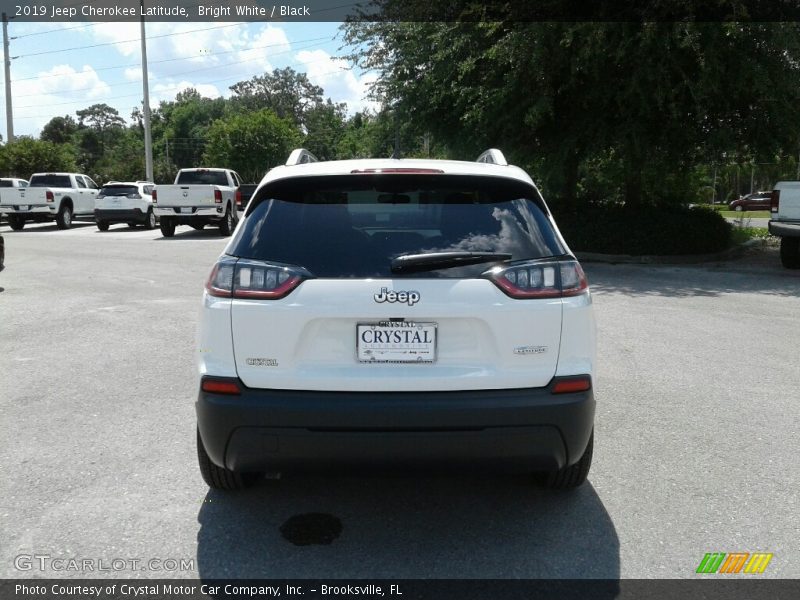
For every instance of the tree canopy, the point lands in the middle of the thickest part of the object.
(646, 101)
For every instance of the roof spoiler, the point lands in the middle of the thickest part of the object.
(493, 156)
(300, 156)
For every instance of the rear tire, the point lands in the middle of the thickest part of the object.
(167, 227)
(64, 217)
(220, 478)
(16, 223)
(226, 225)
(102, 225)
(573, 476)
(150, 220)
(790, 252)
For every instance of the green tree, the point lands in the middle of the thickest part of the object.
(59, 130)
(100, 117)
(25, 156)
(288, 93)
(325, 127)
(250, 143)
(180, 128)
(649, 99)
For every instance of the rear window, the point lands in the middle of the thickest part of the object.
(353, 226)
(118, 190)
(202, 178)
(57, 181)
(6, 183)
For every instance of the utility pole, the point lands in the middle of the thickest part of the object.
(7, 63)
(148, 142)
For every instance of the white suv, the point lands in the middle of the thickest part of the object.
(396, 312)
(128, 202)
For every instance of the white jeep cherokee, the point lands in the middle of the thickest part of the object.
(396, 312)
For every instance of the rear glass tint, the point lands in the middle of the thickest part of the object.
(354, 226)
(118, 190)
(6, 183)
(202, 178)
(57, 181)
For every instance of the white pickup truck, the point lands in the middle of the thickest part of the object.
(59, 196)
(198, 197)
(785, 221)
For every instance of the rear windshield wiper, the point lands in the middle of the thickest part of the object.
(431, 261)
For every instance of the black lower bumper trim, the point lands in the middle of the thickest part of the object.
(782, 229)
(120, 216)
(287, 429)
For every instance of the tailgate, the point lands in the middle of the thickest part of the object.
(23, 196)
(789, 206)
(313, 339)
(185, 195)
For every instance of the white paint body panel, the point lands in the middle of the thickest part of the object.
(789, 205)
(308, 338)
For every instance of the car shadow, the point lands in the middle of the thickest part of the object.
(709, 280)
(192, 234)
(123, 228)
(406, 526)
(41, 228)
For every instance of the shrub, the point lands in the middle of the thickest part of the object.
(645, 230)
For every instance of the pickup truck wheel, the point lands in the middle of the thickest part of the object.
(167, 227)
(226, 225)
(573, 476)
(150, 220)
(16, 222)
(790, 252)
(64, 217)
(102, 225)
(220, 478)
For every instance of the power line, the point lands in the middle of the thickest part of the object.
(58, 29)
(61, 50)
(181, 73)
(153, 62)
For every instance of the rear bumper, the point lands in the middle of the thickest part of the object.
(120, 215)
(784, 229)
(521, 429)
(31, 211)
(205, 214)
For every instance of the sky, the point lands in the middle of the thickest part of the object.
(51, 76)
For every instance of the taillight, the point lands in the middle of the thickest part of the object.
(49, 196)
(252, 279)
(238, 197)
(569, 385)
(774, 201)
(540, 279)
(218, 196)
(220, 386)
(155, 196)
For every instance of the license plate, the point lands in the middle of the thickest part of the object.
(22, 207)
(186, 209)
(389, 341)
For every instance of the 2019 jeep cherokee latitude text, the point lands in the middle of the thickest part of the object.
(396, 311)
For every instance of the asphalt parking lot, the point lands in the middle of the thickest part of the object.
(695, 451)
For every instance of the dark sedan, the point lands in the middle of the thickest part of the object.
(754, 201)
